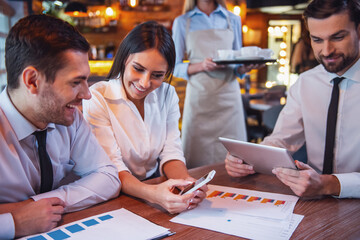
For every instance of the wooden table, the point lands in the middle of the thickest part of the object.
(326, 218)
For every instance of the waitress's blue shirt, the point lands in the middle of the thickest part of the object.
(200, 21)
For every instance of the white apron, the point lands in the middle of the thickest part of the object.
(213, 106)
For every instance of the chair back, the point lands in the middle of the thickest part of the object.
(275, 93)
(270, 117)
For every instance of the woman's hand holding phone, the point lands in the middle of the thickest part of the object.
(199, 183)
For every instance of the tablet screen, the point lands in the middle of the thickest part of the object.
(262, 157)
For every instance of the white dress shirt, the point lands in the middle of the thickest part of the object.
(7, 229)
(74, 152)
(200, 21)
(132, 143)
(304, 117)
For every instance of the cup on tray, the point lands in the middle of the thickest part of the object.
(225, 54)
(266, 53)
(250, 51)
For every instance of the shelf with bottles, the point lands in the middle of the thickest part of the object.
(144, 5)
(102, 51)
(96, 19)
(95, 25)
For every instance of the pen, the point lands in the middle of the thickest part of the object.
(170, 233)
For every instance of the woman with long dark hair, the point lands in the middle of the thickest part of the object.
(135, 117)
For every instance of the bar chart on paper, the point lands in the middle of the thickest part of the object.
(244, 213)
(248, 198)
(251, 202)
(117, 224)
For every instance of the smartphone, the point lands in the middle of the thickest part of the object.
(199, 183)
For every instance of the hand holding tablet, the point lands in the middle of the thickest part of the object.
(263, 158)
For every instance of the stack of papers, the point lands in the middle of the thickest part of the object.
(118, 224)
(244, 213)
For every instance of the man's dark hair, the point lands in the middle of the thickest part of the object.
(40, 41)
(321, 9)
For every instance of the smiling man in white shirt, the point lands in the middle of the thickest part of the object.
(334, 27)
(47, 68)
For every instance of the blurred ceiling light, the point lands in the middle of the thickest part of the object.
(270, 29)
(283, 45)
(284, 29)
(282, 61)
(133, 3)
(282, 53)
(245, 29)
(109, 11)
(268, 84)
(282, 100)
(237, 10)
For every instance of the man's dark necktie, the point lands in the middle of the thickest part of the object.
(331, 128)
(45, 162)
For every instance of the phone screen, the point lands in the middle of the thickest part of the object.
(188, 187)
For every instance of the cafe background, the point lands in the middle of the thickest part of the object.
(274, 24)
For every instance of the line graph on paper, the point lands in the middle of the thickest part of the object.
(249, 202)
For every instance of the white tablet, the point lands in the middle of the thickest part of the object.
(263, 158)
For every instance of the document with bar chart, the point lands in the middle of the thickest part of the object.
(118, 224)
(244, 213)
(253, 203)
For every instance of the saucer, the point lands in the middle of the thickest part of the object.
(249, 58)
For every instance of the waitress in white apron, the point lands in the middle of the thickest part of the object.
(213, 106)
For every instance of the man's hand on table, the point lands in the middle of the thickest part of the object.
(35, 217)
